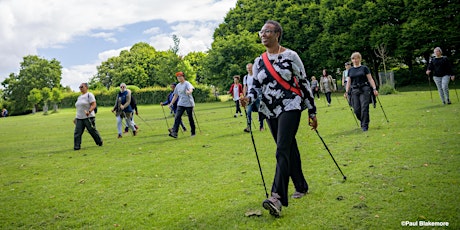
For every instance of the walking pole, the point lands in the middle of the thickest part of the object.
(352, 113)
(144, 121)
(455, 88)
(194, 114)
(429, 83)
(164, 114)
(344, 177)
(382, 109)
(255, 150)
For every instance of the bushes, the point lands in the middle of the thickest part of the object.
(145, 96)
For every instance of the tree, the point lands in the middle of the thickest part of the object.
(34, 72)
(56, 97)
(46, 95)
(35, 96)
(229, 56)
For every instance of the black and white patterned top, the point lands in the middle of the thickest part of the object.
(276, 99)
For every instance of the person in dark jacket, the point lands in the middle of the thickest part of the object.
(123, 109)
(174, 106)
(442, 73)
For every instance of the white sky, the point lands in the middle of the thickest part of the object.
(83, 33)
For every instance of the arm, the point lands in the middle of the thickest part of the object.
(173, 100)
(91, 108)
(371, 81)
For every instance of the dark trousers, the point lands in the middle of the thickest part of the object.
(178, 118)
(90, 125)
(288, 163)
(237, 105)
(360, 99)
(328, 97)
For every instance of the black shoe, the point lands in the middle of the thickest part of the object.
(448, 102)
(173, 134)
(76, 148)
(120, 136)
(101, 143)
(126, 129)
(134, 133)
(246, 130)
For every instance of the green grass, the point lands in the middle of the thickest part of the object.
(404, 170)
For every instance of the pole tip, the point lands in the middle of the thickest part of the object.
(344, 177)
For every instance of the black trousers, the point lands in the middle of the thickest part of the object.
(360, 99)
(237, 105)
(178, 118)
(288, 163)
(90, 125)
(328, 97)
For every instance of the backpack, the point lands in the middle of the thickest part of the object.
(95, 108)
(133, 103)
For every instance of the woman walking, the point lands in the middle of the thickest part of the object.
(361, 85)
(280, 76)
(85, 117)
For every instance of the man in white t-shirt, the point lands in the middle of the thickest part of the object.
(247, 86)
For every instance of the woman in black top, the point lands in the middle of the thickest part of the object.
(361, 85)
(442, 73)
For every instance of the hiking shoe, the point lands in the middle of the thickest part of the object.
(448, 102)
(126, 129)
(120, 136)
(273, 205)
(101, 143)
(173, 134)
(247, 130)
(298, 195)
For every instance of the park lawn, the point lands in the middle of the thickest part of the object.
(406, 169)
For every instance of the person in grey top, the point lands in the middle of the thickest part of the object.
(85, 117)
(183, 93)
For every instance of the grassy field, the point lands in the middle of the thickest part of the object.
(404, 170)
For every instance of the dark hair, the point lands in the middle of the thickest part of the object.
(278, 28)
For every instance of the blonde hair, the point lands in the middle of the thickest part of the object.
(438, 48)
(356, 55)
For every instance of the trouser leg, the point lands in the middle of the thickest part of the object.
(178, 118)
(90, 125)
(284, 129)
(445, 87)
(438, 82)
(78, 132)
(190, 119)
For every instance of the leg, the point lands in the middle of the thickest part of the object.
(296, 172)
(438, 82)
(190, 119)
(130, 123)
(78, 132)
(365, 98)
(249, 113)
(284, 129)
(238, 109)
(178, 119)
(119, 121)
(445, 88)
(356, 103)
(90, 124)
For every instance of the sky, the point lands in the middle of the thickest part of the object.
(81, 34)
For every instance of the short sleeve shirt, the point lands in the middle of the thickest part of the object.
(83, 104)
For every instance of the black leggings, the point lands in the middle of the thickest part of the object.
(288, 163)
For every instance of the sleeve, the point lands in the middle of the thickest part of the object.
(231, 89)
(305, 86)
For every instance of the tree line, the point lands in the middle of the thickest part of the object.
(398, 35)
